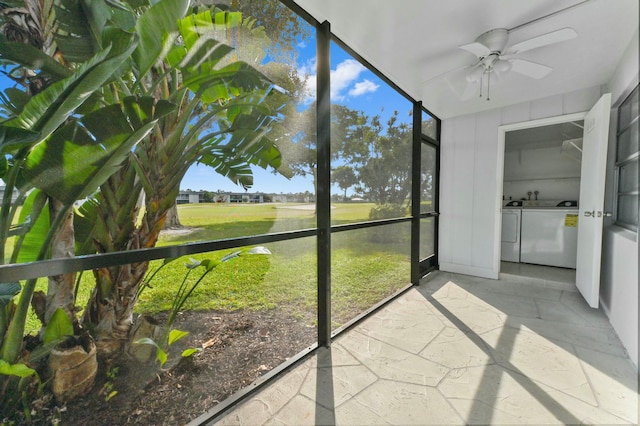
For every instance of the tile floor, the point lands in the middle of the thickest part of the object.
(544, 276)
(460, 350)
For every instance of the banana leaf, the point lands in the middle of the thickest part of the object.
(32, 58)
(49, 109)
(81, 155)
(32, 225)
(152, 28)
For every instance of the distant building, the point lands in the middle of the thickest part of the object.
(190, 197)
(196, 197)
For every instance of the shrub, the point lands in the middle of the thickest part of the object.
(387, 211)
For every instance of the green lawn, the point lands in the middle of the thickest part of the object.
(367, 265)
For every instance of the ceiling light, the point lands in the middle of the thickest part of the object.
(502, 66)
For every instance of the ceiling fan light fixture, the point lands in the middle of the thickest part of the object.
(502, 66)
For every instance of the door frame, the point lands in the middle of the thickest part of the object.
(502, 131)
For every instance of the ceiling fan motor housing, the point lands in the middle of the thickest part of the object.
(495, 40)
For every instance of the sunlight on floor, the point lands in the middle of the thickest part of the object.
(461, 350)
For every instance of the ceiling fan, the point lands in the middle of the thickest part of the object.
(495, 58)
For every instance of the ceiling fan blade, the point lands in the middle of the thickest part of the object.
(478, 49)
(459, 85)
(543, 40)
(530, 69)
(471, 90)
(439, 77)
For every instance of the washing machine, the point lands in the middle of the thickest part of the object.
(511, 225)
(549, 233)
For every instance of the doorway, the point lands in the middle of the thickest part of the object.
(429, 172)
(541, 172)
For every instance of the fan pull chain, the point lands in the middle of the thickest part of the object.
(488, 83)
(481, 78)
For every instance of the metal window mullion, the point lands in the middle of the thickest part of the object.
(621, 129)
(323, 182)
(416, 159)
(43, 268)
(631, 158)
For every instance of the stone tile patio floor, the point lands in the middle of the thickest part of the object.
(460, 350)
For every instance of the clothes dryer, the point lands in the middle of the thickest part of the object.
(511, 223)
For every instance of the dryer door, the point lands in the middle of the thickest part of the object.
(510, 227)
(510, 245)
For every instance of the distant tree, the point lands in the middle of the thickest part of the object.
(429, 127)
(378, 156)
(172, 221)
(351, 132)
(384, 171)
(298, 146)
(345, 177)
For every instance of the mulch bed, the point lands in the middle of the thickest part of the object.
(239, 346)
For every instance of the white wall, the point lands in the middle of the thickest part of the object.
(545, 169)
(470, 178)
(619, 279)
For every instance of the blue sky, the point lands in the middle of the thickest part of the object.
(352, 85)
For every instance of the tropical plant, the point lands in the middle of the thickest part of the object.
(42, 133)
(52, 127)
(143, 94)
(170, 335)
(225, 111)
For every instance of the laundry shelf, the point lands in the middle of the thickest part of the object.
(532, 179)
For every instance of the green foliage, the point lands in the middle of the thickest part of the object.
(87, 111)
(17, 370)
(345, 177)
(387, 234)
(186, 288)
(107, 388)
(18, 385)
(102, 115)
(387, 211)
(33, 224)
(162, 348)
(58, 165)
(59, 326)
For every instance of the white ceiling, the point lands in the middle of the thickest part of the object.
(415, 43)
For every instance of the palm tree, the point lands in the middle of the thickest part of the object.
(38, 129)
(225, 108)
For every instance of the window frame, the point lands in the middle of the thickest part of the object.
(621, 162)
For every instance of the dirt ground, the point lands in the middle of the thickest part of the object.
(239, 348)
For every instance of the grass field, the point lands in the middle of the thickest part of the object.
(367, 264)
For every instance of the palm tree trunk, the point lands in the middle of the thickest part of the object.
(109, 312)
(60, 291)
(110, 308)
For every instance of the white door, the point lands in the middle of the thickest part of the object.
(592, 178)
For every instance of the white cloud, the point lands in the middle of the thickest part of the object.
(363, 87)
(341, 78)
